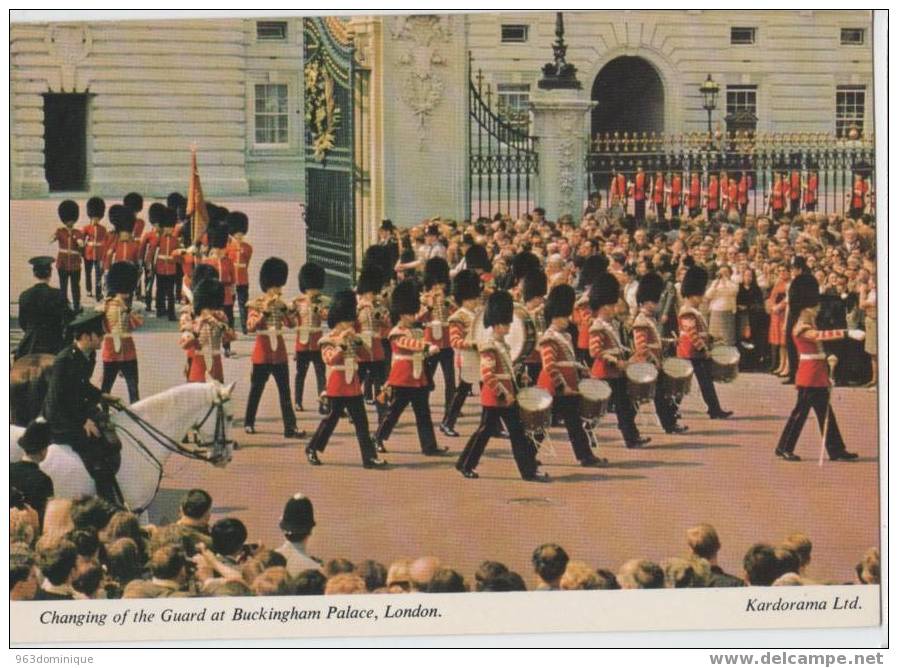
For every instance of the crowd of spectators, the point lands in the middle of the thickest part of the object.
(87, 549)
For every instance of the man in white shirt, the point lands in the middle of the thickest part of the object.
(297, 522)
(721, 297)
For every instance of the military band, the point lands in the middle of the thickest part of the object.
(311, 313)
(120, 319)
(369, 325)
(206, 333)
(436, 308)
(466, 289)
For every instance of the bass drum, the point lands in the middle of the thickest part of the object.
(521, 338)
(594, 397)
(641, 380)
(724, 364)
(676, 378)
(535, 406)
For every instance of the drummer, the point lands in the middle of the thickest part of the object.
(694, 339)
(608, 355)
(593, 267)
(498, 396)
(466, 293)
(560, 375)
(533, 292)
(647, 346)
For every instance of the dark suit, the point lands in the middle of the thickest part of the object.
(34, 484)
(43, 315)
(721, 579)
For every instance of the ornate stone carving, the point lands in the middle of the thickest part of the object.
(422, 37)
(69, 45)
(568, 127)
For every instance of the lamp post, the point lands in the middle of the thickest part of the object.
(709, 90)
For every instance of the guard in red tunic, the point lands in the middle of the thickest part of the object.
(311, 312)
(618, 190)
(498, 395)
(794, 192)
(434, 316)
(121, 247)
(593, 267)
(610, 356)
(777, 197)
(639, 191)
(466, 290)
(695, 340)
(119, 352)
(207, 332)
(647, 346)
(218, 258)
(536, 285)
(94, 245)
(742, 193)
(658, 196)
(146, 251)
(812, 379)
(408, 377)
(240, 253)
(342, 350)
(68, 258)
(810, 192)
(858, 196)
(270, 316)
(732, 196)
(185, 320)
(713, 196)
(373, 367)
(165, 265)
(694, 196)
(676, 195)
(134, 202)
(560, 375)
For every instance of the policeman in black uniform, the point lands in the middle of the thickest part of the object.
(43, 313)
(73, 406)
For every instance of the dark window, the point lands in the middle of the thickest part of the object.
(65, 141)
(742, 35)
(853, 36)
(850, 102)
(514, 33)
(742, 98)
(271, 30)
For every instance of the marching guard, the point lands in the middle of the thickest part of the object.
(435, 318)
(373, 368)
(609, 356)
(466, 290)
(119, 352)
(185, 320)
(342, 350)
(68, 259)
(694, 339)
(121, 247)
(207, 332)
(408, 378)
(534, 297)
(269, 316)
(311, 311)
(146, 251)
(218, 258)
(94, 245)
(240, 253)
(647, 346)
(498, 396)
(813, 380)
(165, 265)
(560, 375)
(134, 203)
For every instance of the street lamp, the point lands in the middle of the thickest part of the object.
(709, 90)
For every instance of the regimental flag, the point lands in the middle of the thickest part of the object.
(196, 203)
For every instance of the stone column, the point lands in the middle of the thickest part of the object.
(561, 121)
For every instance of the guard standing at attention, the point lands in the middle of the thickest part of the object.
(94, 246)
(68, 259)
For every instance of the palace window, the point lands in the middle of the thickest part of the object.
(271, 31)
(850, 102)
(742, 36)
(742, 98)
(514, 103)
(852, 36)
(514, 33)
(271, 115)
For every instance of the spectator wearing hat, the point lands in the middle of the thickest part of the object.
(386, 237)
(26, 475)
(119, 320)
(43, 313)
(240, 252)
(297, 522)
(68, 257)
(218, 257)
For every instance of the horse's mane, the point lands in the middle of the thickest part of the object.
(168, 400)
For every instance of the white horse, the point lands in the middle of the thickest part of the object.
(147, 442)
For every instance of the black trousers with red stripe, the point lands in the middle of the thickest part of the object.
(818, 399)
(355, 406)
(524, 454)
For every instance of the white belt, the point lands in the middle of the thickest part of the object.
(502, 376)
(273, 334)
(70, 252)
(349, 369)
(165, 257)
(304, 333)
(417, 360)
(437, 328)
(567, 364)
(117, 340)
(812, 356)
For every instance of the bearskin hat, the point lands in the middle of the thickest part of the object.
(343, 308)
(465, 286)
(273, 273)
(371, 279)
(499, 309)
(218, 235)
(477, 258)
(68, 211)
(174, 200)
(96, 207)
(436, 270)
(804, 292)
(560, 302)
(208, 293)
(122, 278)
(203, 272)
(237, 222)
(695, 281)
(650, 288)
(535, 284)
(311, 277)
(605, 291)
(122, 218)
(405, 299)
(378, 256)
(387, 225)
(169, 218)
(133, 201)
(522, 264)
(156, 213)
(592, 267)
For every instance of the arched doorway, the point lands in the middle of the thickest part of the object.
(630, 97)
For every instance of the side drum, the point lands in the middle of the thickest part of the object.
(642, 378)
(594, 397)
(676, 378)
(535, 406)
(724, 364)
(522, 334)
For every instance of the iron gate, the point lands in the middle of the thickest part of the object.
(330, 166)
(835, 161)
(503, 163)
